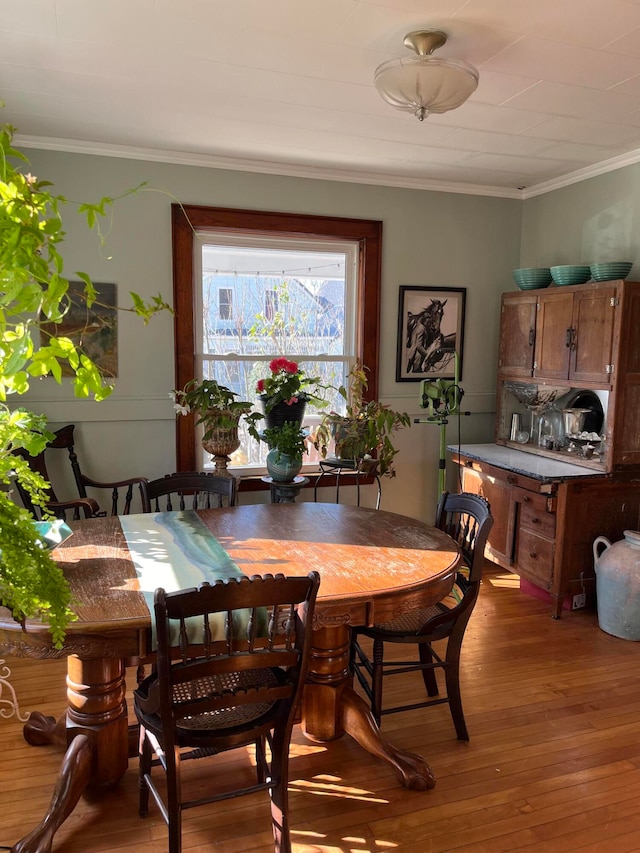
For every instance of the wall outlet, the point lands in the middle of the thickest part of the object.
(579, 600)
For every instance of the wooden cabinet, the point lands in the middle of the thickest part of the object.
(517, 334)
(564, 334)
(574, 334)
(580, 337)
(544, 531)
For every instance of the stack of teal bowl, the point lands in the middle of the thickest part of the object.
(567, 274)
(532, 278)
(611, 270)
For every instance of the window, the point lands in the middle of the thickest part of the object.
(287, 296)
(225, 303)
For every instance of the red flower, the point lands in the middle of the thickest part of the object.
(260, 386)
(278, 364)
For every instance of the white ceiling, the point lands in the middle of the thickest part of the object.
(285, 86)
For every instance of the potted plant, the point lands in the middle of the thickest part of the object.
(285, 393)
(287, 444)
(219, 411)
(32, 286)
(363, 435)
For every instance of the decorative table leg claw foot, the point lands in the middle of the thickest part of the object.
(41, 730)
(412, 770)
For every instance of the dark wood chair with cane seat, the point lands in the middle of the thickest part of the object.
(189, 490)
(84, 506)
(210, 695)
(467, 519)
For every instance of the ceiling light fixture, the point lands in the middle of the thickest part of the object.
(425, 84)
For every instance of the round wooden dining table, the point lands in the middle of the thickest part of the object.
(373, 565)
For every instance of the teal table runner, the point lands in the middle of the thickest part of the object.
(175, 550)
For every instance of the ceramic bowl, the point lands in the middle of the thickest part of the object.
(611, 270)
(532, 278)
(566, 274)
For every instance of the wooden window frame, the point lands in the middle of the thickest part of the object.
(186, 220)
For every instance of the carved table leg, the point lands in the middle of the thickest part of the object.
(96, 729)
(411, 769)
(41, 730)
(71, 782)
(330, 707)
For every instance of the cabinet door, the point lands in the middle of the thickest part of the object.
(517, 333)
(593, 316)
(553, 334)
(503, 508)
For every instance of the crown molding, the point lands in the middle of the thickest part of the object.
(628, 159)
(266, 167)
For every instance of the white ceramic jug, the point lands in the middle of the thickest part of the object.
(617, 568)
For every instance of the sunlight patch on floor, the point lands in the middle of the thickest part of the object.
(329, 786)
(508, 580)
(311, 842)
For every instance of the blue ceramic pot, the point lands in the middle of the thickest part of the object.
(282, 468)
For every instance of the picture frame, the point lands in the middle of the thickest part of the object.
(93, 329)
(430, 332)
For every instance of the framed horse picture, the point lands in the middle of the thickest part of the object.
(430, 332)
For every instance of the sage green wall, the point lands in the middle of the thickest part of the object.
(593, 221)
(433, 239)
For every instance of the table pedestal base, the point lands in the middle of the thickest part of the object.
(95, 728)
(331, 707)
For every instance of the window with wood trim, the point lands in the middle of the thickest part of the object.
(195, 275)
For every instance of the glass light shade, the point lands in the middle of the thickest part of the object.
(424, 84)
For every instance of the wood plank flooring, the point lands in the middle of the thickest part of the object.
(553, 764)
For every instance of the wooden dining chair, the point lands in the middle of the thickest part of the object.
(189, 490)
(467, 519)
(232, 658)
(84, 506)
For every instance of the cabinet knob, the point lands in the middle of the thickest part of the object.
(533, 555)
(535, 520)
(526, 499)
(511, 479)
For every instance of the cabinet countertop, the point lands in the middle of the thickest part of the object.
(520, 462)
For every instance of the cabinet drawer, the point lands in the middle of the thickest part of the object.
(534, 558)
(537, 520)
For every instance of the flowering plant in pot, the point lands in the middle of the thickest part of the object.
(214, 405)
(363, 435)
(218, 410)
(286, 392)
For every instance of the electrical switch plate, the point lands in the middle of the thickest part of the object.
(579, 601)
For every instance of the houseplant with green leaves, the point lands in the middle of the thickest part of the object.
(363, 435)
(33, 294)
(287, 445)
(219, 412)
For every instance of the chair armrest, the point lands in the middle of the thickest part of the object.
(88, 506)
(127, 484)
(132, 481)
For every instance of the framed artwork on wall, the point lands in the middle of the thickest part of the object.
(430, 332)
(93, 329)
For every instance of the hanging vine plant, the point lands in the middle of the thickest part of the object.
(33, 286)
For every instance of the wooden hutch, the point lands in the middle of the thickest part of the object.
(560, 340)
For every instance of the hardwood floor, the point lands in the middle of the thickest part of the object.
(553, 764)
